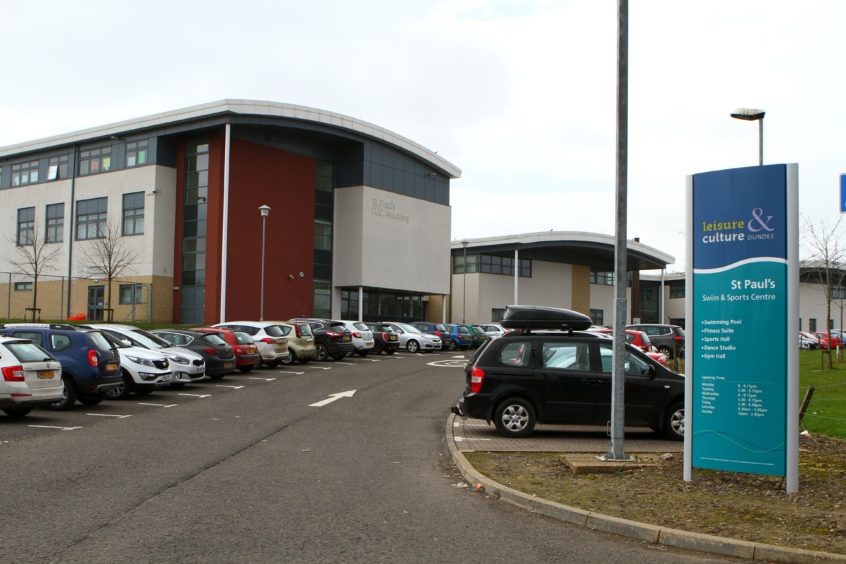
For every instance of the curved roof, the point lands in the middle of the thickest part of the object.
(241, 107)
(572, 247)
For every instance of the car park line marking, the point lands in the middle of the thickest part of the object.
(226, 386)
(159, 404)
(322, 367)
(54, 427)
(345, 363)
(108, 415)
(371, 359)
(333, 397)
(451, 363)
(265, 379)
(460, 439)
(290, 372)
(196, 395)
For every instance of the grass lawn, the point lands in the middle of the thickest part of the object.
(826, 414)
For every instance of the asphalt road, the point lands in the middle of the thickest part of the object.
(246, 469)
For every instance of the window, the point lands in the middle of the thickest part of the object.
(55, 223)
(133, 213)
(130, 294)
(58, 167)
(94, 161)
(26, 226)
(604, 278)
(812, 325)
(136, 153)
(60, 342)
(566, 356)
(516, 353)
(632, 364)
(322, 235)
(323, 176)
(597, 316)
(677, 291)
(838, 292)
(497, 313)
(24, 173)
(91, 219)
(23, 286)
(322, 298)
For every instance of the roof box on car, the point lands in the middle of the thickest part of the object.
(539, 317)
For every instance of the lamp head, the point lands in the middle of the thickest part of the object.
(264, 210)
(748, 114)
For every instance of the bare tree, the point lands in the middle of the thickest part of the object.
(826, 264)
(108, 258)
(34, 256)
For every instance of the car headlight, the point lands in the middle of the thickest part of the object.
(180, 360)
(141, 361)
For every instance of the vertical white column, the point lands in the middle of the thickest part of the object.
(361, 303)
(225, 231)
(516, 275)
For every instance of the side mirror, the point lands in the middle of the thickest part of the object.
(126, 342)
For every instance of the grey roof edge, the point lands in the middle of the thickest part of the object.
(563, 237)
(243, 107)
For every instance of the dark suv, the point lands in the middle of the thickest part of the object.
(331, 337)
(562, 376)
(90, 364)
(668, 339)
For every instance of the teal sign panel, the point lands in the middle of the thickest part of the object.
(739, 325)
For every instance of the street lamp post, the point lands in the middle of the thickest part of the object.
(752, 114)
(464, 283)
(264, 210)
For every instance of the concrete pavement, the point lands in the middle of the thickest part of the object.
(466, 435)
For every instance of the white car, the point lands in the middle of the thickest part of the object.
(143, 370)
(270, 339)
(362, 337)
(186, 365)
(414, 340)
(31, 377)
(493, 330)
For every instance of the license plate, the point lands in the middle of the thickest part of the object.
(46, 374)
(392, 338)
(346, 338)
(110, 366)
(229, 364)
(369, 343)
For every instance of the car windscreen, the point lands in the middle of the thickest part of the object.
(339, 327)
(242, 338)
(305, 329)
(408, 328)
(148, 339)
(274, 331)
(100, 340)
(361, 326)
(213, 340)
(28, 352)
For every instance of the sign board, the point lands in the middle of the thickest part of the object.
(742, 322)
(843, 193)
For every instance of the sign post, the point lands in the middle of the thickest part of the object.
(742, 372)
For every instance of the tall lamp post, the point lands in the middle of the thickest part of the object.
(753, 114)
(264, 210)
(464, 290)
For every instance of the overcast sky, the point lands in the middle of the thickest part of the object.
(519, 94)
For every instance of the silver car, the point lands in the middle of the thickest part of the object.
(414, 340)
(31, 377)
(362, 337)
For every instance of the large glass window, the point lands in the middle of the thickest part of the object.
(26, 226)
(322, 298)
(58, 167)
(324, 177)
(91, 219)
(490, 264)
(597, 316)
(55, 223)
(130, 294)
(133, 213)
(566, 356)
(677, 291)
(136, 153)
(94, 161)
(322, 235)
(604, 278)
(24, 173)
(194, 221)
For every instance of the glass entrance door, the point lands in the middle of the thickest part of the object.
(96, 302)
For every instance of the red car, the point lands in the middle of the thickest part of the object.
(825, 344)
(640, 340)
(247, 356)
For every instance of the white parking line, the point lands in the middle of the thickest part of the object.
(345, 363)
(322, 367)
(226, 386)
(265, 379)
(196, 395)
(52, 427)
(290, 372)
(108, 415)
(371, 359)
(160, 404)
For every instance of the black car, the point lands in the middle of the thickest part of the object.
(563, 376)
(219, 355)
(331, 337)
(668, 339)
(385, 338)
(90, 364)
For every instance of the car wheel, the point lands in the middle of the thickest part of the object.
(246, 369)
(292, 356)
(412, 346)
(515, 417)
(17, 411)
(451, 345)
(69, 397)
(321, 353)
(666, 351)
(92, 399)
(122, 390)
(674, 422)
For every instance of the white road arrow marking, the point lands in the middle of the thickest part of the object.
(333, 397)
(108, 415)
(265, 379)
(196, 395)
(159, 404)
(227, 386)
(52, 427)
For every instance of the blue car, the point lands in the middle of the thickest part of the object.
(90, 364)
